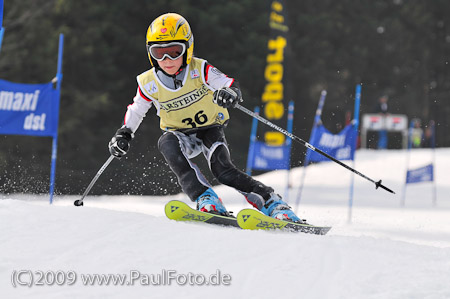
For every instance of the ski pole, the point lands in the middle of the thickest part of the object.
(308, 145)
(79, 202)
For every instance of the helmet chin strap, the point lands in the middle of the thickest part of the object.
(176, 81)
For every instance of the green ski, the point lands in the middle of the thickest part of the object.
(180, 211)
(252, 219)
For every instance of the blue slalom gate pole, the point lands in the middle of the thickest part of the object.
(433, 148)
(57, 80)
(1, 13)
(408, 157)
(288, 144)
(355, 128)
(317, 120)
(2, 30)
(290, 122)
(251, 148)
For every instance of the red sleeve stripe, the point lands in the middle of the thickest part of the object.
(231, 82)
(207, 72)
(143, 95)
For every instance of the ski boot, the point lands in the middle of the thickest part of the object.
(273, 207)
(209, 202)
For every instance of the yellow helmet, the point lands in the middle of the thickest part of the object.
(171, 27)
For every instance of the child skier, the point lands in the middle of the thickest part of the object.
(191, 98)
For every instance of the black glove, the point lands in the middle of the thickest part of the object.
(120, 143)
(227, 97)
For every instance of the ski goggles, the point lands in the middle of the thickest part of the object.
(172, 51)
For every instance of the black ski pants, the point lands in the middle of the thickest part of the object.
(215, 148)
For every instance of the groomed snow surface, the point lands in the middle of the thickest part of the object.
(386, 251)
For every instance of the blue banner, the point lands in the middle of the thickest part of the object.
(28, 109)
(422, 174)
(266, 157)
(340, 146)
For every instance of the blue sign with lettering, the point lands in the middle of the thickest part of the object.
(340, 146)
(266, 157)
(422, 174)
(28, 109)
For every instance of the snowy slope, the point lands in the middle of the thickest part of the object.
(387, 251)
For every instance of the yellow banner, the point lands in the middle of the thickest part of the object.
(274, 104)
